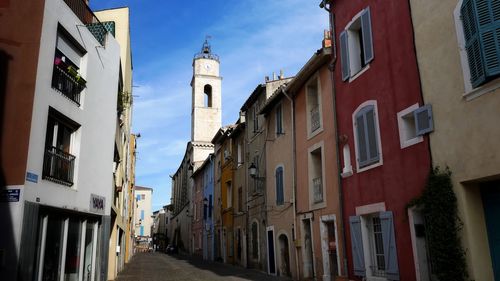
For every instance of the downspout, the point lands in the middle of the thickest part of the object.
(294, 180)
(331, 67)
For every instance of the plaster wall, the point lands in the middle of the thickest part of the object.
(466, 130)
(279, 153)
(144, 204)
(391, 80)
(325, 139)
(92, 144)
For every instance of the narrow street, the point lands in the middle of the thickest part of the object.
(159, 266)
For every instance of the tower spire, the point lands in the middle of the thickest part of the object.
(206, 51)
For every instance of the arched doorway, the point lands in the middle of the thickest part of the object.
(284, 266)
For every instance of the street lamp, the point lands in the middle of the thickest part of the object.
(252, 170)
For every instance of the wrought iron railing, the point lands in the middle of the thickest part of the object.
(58, 166)
(85, 14)
(63, 82)
(315, 120)
(318, 190)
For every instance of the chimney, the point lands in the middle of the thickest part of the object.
(327, 39)
(282, 76)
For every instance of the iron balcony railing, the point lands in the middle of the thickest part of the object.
(85, 14)
(58, 166)
(315, 120)
(63, 82)
(318, 190)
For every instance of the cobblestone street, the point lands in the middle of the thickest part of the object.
(159, 266)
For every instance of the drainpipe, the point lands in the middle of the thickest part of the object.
(294, 180)
(339, 179)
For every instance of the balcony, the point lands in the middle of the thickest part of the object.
(315, 120)
(83, 12)
(69, 85)
(317, 190)
(58, 166)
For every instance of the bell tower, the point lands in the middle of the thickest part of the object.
(206, 111)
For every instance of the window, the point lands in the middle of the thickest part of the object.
(142, 214)
(366, 135)
(66, 76)
(229, 195)
(255, 118)
(356, 45)
(138, 197)
(279, 119)
(210, 206)
(58, 164)
(240, 199)
(143, 196)
(280, 198)
(313, 101)
(480, 31)
(207, 90)
(374, 245)
(413, 122)
(240, 153)
(316, 175)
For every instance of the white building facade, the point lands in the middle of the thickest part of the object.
(60, 214)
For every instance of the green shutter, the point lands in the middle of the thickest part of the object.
(481, 24)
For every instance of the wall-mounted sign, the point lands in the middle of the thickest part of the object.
(10, 195)
(32, 177)
(97, 203)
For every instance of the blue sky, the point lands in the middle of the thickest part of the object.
(253, 39)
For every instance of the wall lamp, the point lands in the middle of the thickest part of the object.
(252, 170)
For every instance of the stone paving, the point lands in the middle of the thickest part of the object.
(159, 267)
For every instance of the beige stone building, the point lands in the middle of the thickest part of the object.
(459, 69)
(280, 192)
(118, 19)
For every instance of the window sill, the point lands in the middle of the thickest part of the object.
(346, 173)
(477, 92)
(411, 142)
(361, 71)
(369, 167)
(315, 133)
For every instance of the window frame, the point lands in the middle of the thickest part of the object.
(315, 79)
(470, 93)
(312, 149)
(378, 136)
(404, 139)
(351, 44)
(277, 187)
(279, 120)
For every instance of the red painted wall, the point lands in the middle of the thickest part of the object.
(393, 81)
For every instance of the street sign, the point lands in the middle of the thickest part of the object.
(10, 195)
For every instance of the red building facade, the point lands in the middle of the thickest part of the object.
(383, 146)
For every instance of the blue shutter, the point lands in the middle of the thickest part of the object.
(366, 30)
(279, 186)
(390, 251)
(371, 135)
(361, 136)
(344, 55)
(358, 256)
(367, 135)
(423, 120)
(481, 24)
(138, 197)
(142, 231)
(142, 214)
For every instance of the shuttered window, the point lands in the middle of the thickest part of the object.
(380, 249)
(280, 197)
(481, 24)
(356, 45)
(367, 136)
